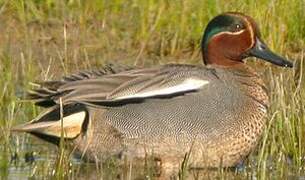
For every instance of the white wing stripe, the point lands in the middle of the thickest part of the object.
(187, 85)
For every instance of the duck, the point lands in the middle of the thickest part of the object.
(215, 112)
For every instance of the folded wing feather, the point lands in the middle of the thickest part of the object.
(127, 85)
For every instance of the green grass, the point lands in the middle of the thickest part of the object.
(42, 40)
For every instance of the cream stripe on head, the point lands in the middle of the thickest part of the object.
(249, 27)
(231, 33)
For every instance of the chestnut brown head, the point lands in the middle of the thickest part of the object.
(231, 37)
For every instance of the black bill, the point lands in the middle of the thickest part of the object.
(260, 50)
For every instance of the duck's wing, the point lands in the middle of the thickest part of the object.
(124, 87)
(45, 92)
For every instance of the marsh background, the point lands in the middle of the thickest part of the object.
(45, 39)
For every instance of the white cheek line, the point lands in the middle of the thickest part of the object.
(187, 85)
(231, 33)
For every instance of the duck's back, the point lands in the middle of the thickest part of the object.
(212, 110)
(213, 107)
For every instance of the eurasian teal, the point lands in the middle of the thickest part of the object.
(215, 112)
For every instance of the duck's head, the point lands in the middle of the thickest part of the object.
(231, 37)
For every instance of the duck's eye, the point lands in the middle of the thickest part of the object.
(237, 27)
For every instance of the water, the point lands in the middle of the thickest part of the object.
(30, 158)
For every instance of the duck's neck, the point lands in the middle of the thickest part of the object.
(248, 80)
(236, 67)
(221, 61)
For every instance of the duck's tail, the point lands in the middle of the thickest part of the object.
(50, 126)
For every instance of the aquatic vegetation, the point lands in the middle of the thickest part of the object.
(43, 39)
